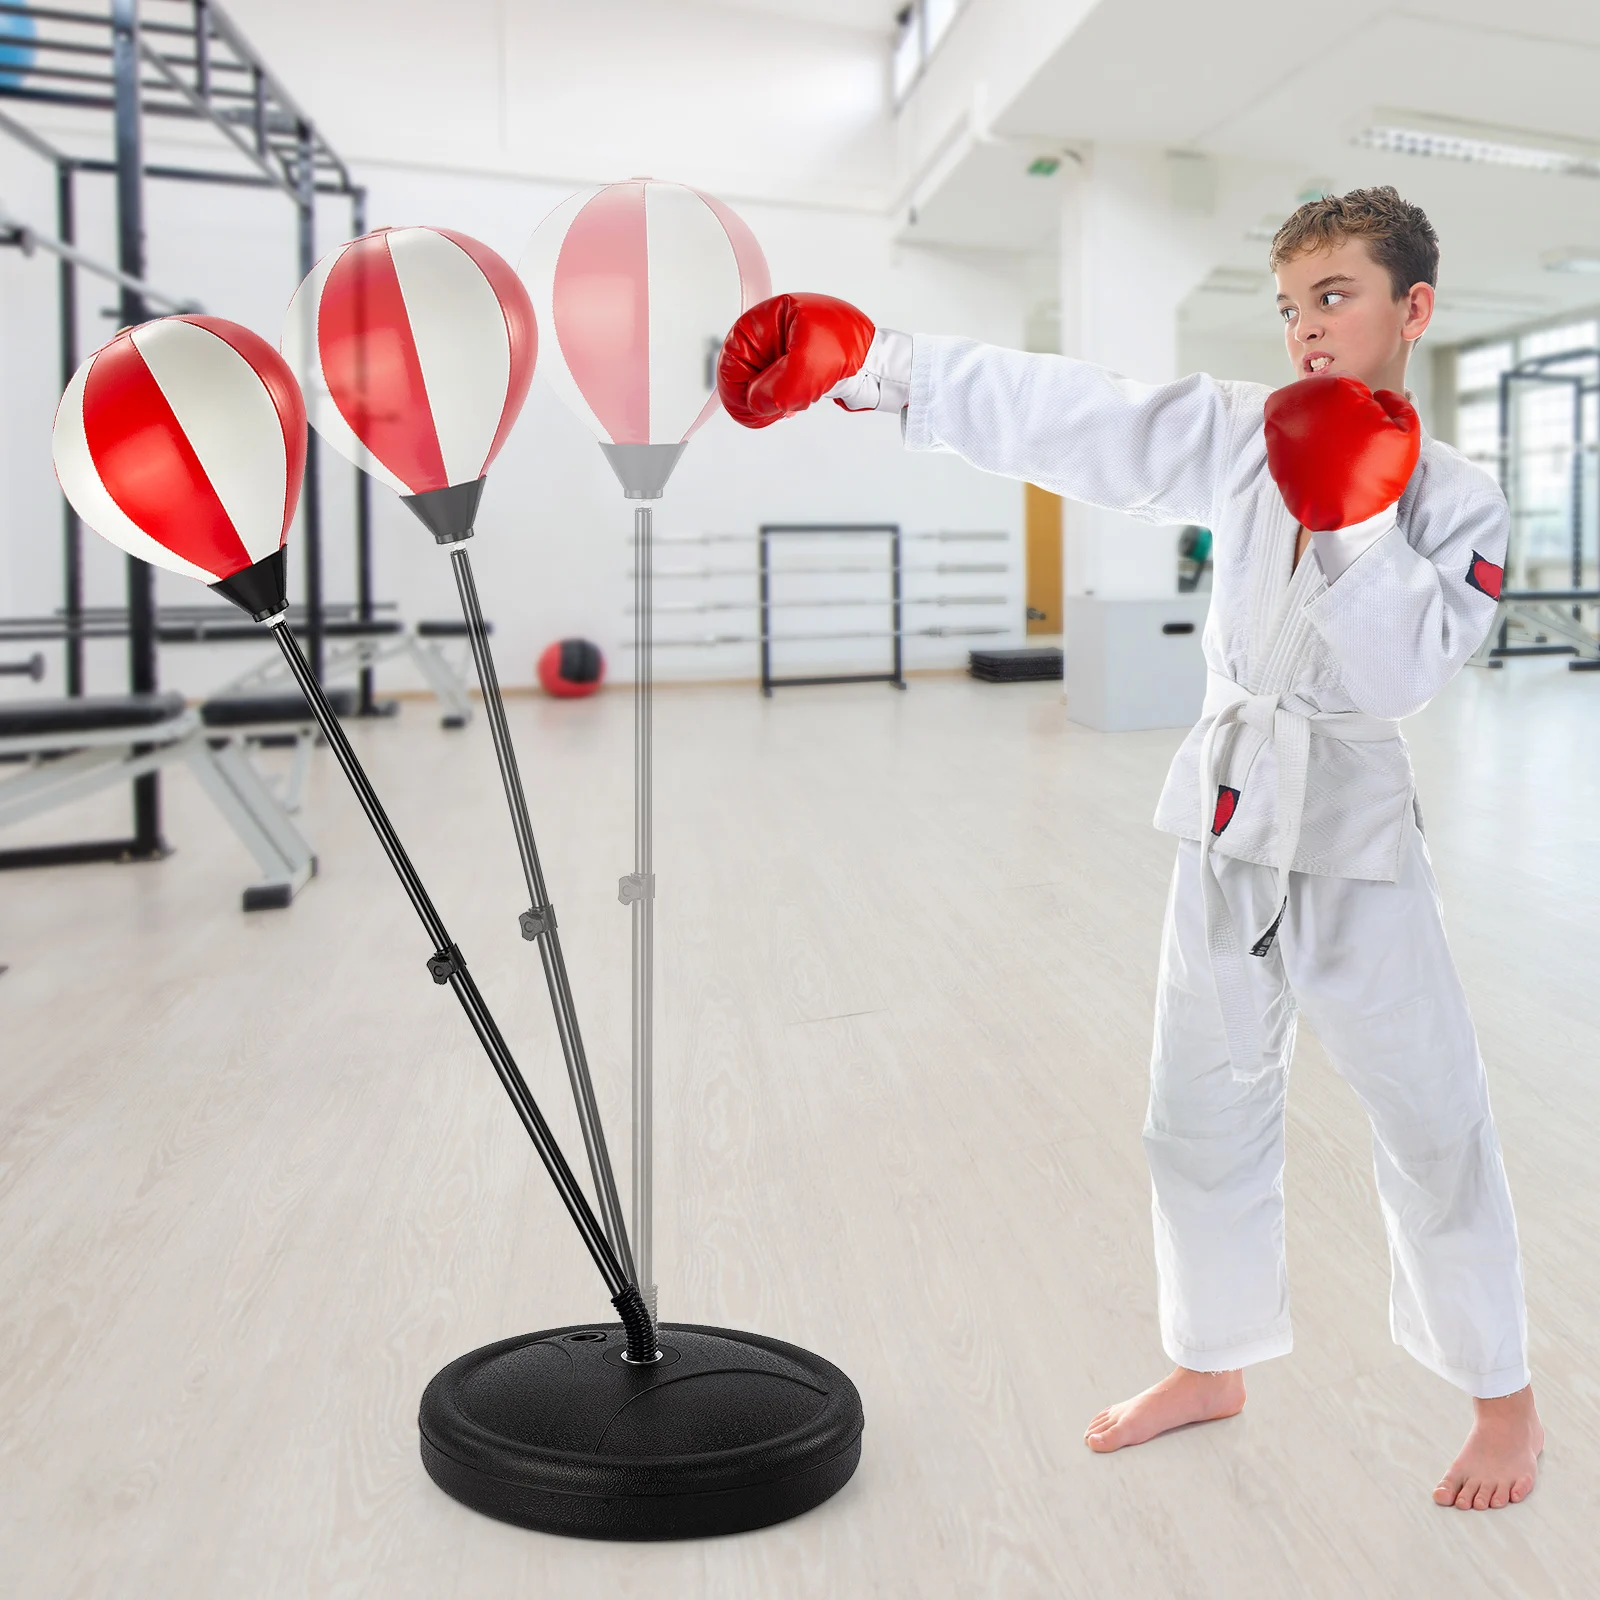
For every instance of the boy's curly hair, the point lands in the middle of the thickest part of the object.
(1398, 234)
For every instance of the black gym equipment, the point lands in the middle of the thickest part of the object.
(31, 667)
(1016, 666)
(599, 1431)
(895, 676)
(185, 61)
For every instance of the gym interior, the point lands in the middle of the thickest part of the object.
(769, 1213)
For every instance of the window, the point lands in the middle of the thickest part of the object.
(1549, 470)
(1552, 341)
(919, 28)
(937, 15)
(906, 61)
(1480, 368)
(1478, 434)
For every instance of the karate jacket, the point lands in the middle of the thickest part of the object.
(1382, 640)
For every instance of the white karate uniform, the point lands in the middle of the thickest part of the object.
(1302, 879)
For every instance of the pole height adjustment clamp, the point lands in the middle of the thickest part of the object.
(444, 964)
(635, 886)
(537, 921)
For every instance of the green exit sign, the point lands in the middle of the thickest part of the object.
(1043, 166)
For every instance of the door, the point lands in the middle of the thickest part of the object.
(1042, 537)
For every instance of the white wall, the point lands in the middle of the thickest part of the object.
(1250, 358)
(1241, 357)
(1140, 230)
(746, 101)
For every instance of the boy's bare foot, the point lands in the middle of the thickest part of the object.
(1500, 1459)
(1180, 1398)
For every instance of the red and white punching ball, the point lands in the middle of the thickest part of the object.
(415, 347)
(183, 442)
(633, 283)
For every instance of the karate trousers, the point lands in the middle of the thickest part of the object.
(1369, 966)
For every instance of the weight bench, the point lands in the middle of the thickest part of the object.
(72, 748)
(277, 719)
(353, 647)
(431, 638)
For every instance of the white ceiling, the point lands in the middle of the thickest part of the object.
(1269, 77)
(1285, 84)
(767, 99)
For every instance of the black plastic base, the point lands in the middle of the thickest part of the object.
(727, 1432)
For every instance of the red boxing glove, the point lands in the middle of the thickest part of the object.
(787, 353)
(1338, 452)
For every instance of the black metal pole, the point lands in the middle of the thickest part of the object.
(311, 494)
(202, 51)
(368, 704)
(71, 527)
(1507, 487)
(142, 669)
(899, 649)
(539, 922)
(447, 965)
(766, 619)
(1577, 490)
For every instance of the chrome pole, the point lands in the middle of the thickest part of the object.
(644, 905)
(539, 921)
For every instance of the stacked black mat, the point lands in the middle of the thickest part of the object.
(1014, 666)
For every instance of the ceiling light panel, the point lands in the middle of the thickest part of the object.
(1572, 260)
(1444, 145)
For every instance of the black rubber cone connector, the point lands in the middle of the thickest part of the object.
(449, 513)
(724, 1433)
(262, 589)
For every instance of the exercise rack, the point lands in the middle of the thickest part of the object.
(182, 61)
(1553, 616)
(761, 601)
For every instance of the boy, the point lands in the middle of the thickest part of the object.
(1357, 564)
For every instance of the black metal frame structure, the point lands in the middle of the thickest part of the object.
(190, 63)
(896, 603)
(1532, 607)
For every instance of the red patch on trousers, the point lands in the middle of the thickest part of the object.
(1485, 576)
(1227, 804)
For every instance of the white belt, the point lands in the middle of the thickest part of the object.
(1291, 733)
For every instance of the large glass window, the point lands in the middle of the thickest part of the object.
(937, 15)
(919, 27)
(1547, 459)
(906, 62)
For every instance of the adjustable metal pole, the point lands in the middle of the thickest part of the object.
(644, 912)
(539, 922)
(639, 890)
(447, 965)
(643, 470)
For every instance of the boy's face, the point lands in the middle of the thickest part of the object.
(1340, 315)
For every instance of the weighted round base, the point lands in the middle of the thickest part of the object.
(726, 1432)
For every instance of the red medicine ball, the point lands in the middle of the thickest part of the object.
(571, 668)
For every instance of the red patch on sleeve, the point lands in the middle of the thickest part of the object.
(1485, 576)
(1227, 804)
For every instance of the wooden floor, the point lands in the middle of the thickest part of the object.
(257, 1183)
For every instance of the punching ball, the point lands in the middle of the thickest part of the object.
(183, 442)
